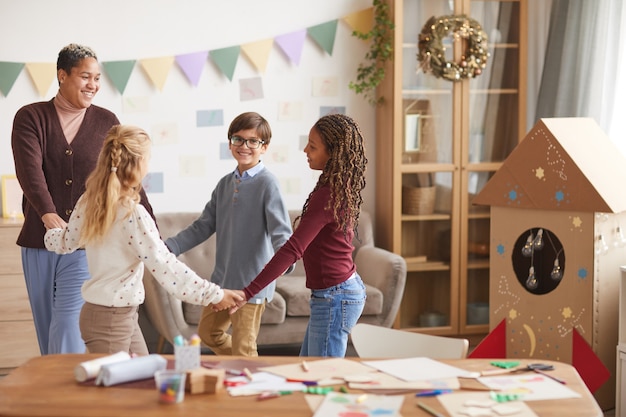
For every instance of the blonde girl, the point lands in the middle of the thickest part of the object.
(119, 238)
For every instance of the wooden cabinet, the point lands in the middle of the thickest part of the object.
(438, 142)
(17, 330)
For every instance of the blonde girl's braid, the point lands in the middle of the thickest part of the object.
(113, 181)
(345, 170)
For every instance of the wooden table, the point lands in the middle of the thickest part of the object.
(45, 386)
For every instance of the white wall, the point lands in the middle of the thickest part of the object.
(35, 31)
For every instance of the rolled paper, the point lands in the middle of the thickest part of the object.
(134, 369)
(89, 369)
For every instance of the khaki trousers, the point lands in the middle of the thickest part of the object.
(244, 324)
(112, 329)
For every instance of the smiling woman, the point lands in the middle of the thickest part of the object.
(55, 147)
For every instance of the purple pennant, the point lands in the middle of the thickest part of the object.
(291, 44)
(192, 65)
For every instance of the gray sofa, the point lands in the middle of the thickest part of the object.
(285, 319)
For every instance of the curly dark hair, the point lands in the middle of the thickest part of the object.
(345, 170)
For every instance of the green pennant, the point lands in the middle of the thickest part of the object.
(324, 35)
(226, 59)
(119, 72)
(9, 72)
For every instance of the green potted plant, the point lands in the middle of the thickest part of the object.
(371, 71)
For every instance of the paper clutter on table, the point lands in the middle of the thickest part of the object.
(89, 369)
(142, 367)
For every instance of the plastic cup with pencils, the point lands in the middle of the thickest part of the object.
(170, 385)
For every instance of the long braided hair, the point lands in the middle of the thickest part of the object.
(115, 181)
(345, 170)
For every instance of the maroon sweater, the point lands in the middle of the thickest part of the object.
(51, 172)
(325, 251)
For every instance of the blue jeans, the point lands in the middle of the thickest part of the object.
(53, 283)
(334, 311)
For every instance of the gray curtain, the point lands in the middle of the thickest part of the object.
(581, 60)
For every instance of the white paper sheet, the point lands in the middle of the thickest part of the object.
(531, 386)
(418, 369)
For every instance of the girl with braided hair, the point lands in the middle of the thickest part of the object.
(120, 237)
(323, 236)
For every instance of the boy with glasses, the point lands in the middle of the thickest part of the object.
(249, 217)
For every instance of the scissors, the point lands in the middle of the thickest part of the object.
(531, 367)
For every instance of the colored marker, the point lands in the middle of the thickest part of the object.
(179, 341)
(195, 340)
(305, 366)
(429, 410)
(560, 381)
(272, 394)
(433, 392)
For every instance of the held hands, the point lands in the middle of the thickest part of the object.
(231, 299)
(53, 221)
(238, 304)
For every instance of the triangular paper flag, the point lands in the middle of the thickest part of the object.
(493, 346)
(42, 74)
(258, 53)
(362, 21)
(192, 65)
(324, 35)
(226, 60)
(589, 366)
(9, 72)
(158, 69)
(119, 73)
(291, 44)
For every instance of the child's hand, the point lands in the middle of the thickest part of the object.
(238, 304)
(231, 298)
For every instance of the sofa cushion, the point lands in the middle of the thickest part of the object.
(297, 295)
(274, 312)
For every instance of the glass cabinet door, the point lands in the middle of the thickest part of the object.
(428, 176)
(447, 140)
(494, 131)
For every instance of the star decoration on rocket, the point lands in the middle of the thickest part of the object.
(539, 173)
(566, 312)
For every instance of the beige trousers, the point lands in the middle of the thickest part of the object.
(244, 324)
(111, 329)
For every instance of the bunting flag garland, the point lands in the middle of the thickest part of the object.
(42, 74)
(12, 70)
(291, 45)
(362, 21)
(192, 64)
(157, 69)
(258, 53)
(324, 35)
(119, 73)
(226, 60)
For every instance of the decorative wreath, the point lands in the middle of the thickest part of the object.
(432, 51)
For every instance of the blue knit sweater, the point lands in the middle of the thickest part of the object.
(251, 222)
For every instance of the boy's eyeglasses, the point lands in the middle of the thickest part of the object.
(250, 143)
